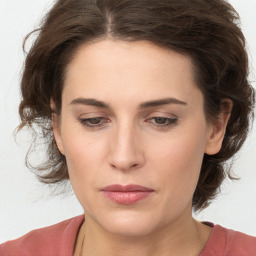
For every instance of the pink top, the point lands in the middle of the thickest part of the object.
(60, 239)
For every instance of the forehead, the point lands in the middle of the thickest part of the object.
(131, 70)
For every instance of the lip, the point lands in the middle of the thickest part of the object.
(126, 188)
(128, 194)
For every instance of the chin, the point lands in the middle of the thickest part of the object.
(128, 224)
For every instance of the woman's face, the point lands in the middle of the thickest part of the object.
(132, 114)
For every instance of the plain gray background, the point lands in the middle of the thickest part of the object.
(25, 204)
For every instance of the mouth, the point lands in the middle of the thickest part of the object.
(128, 194)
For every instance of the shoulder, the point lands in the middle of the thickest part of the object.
(58, 239)
(228, 242)
(239, 242)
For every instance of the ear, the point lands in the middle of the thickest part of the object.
(217, 128)
(56, 127)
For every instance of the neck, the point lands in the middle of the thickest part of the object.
(179, 238)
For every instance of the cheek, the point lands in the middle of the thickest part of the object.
(180, 160)
(82, 155)
(83, 161)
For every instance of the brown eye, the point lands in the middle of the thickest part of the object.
(160, 120)
(94, 121)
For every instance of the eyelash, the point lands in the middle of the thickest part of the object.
(85, 122)
(168, 122)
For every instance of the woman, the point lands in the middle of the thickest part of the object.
(141, 104)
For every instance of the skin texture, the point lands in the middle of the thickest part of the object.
(127, 144)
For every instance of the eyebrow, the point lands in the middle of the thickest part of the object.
(90, 102)
(165, 101)
(147, 104)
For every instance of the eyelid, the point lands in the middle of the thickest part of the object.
(162, 117)
(86, 122)
(169, 120)
(161, 114)
(92, 114)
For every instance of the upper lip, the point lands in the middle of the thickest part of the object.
(126, 188)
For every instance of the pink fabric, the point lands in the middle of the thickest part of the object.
(60, 239)
(56, 240)
(227, 242)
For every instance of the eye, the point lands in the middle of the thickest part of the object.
(162, 121)
(94, 122)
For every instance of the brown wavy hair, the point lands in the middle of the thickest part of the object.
(206, 30)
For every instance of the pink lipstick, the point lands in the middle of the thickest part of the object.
(128, 194)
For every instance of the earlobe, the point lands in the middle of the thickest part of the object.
(218, 128)
(56, 128)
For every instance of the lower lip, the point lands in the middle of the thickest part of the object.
(129, 197)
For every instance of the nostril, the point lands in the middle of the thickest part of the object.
(125, 167)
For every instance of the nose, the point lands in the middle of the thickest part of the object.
(126, 150)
